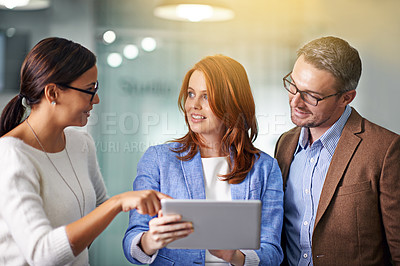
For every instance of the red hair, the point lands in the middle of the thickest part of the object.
(231, 100)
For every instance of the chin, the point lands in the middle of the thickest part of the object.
(300, 123)
(297, 122)
(195, 129)
(81, 123)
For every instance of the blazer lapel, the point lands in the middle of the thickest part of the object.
(285, 153)
(193, 175)
(345, 149)
(241, 191)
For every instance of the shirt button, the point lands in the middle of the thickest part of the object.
(305, 255)
(306, 191)
(312, 160)
(305, 223)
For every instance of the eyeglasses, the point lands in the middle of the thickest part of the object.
(91, 91)
(308, 98)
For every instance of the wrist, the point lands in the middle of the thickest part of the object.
(116, 203)
(144, 246)
(238, 258)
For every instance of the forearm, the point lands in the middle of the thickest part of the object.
(234, 257)
(84, 231)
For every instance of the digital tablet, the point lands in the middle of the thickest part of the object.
(232, 224)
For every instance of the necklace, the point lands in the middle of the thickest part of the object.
(82, 210)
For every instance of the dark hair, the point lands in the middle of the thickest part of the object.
(337, 57)
(231, 100)
(52, 60)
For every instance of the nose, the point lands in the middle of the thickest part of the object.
(295, 99)
(196, 103)
(96, 99)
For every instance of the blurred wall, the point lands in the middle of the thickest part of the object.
(139, 98)
(72, 19)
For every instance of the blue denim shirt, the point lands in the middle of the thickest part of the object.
(159, 169)
(303, 189)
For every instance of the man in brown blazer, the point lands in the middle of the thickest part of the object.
(341, 172)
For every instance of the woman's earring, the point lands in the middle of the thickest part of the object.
(53, 103)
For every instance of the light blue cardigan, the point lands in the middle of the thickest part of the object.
(159, 169)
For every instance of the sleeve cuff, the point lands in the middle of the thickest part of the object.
(250, 257)
(137, 252)
(62, 248)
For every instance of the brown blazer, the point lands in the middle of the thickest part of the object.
(358, 216)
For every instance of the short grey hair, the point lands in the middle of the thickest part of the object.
(337, 57)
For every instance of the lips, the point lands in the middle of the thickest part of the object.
(197, 117)
(87, 113)
(300, 113)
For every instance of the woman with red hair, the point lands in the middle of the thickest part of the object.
(215, 160)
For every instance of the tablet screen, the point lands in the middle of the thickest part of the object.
(232, 224)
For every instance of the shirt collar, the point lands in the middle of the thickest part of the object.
(330, 138)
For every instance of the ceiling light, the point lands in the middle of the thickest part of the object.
(114, 60)
(193, 10)
(11, 4)
(149, 44)
(10, 32)
(24, 4)
(131, 51)
(109, 36)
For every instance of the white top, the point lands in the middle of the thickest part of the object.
(216, 189)
(36, 204)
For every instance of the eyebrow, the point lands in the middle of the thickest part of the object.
(90, 84)
(308, 91)
(190, 88)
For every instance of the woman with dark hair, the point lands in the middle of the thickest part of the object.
(215, 160)
(50, 182)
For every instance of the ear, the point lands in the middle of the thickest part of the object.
(348, 97)
(51, 92)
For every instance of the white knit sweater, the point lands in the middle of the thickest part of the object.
(36, 204)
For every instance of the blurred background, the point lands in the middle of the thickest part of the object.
(142, 59)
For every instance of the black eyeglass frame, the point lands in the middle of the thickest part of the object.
(302, 93)
(93, 93)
